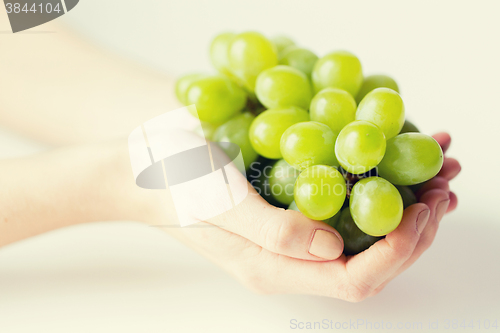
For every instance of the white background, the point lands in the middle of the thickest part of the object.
(125, 277)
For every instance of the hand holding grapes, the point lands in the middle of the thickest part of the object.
(264, 247)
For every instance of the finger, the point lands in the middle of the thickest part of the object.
(375, 265)
(451, 168)
(444, 140)
(437, 200)
(435, 183)
(453, 202)
(281, 231)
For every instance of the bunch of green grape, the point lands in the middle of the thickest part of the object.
(316, 135)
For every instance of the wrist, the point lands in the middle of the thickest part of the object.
(117, 196)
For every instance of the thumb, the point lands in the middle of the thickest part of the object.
(281, 231)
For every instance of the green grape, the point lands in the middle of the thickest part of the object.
(340, 69)
(409, 198)
(320, 192)
(409, 127)
(376, 206)
(260, 181)
(282, 86)
(249, 54)
(332, 221)
(309, 143)
(219, 52)
(360, 147)
(183, 83)
(373, 82)
(206, 130)
(299, 58)
(281, 180)
(269, 126)
(384, 108)
(216, 98)
(333, 107)
(235, 131)
(411, 158)
(282, 43)
(355, 240)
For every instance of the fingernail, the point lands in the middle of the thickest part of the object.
(441, 209)
(422, 219)
(326, 245)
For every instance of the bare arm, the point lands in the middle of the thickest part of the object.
(58, 88)
(69, 186)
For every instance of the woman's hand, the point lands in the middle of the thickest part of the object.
(272, 250)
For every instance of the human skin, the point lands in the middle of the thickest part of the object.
(262, 246)
(93, 102)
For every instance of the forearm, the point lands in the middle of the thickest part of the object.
(60, 89)
(69, 186)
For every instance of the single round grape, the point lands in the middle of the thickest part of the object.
(282, 180)
(409, 127)
(269, 126)
(340, 69)
(355, 240)
(373, 82)
(219, 52)
(217, 98)
(235, 131)
(282, 86)
(376, 206)
(299, 58)
(360, 147)
(206, 130)
(249, 54)
(409, 198)
(183, 83)
(332, 221)
(260, 180)
(333, 107)
(309, 143)
(320, 192)
(384, 108)
(281, 43)
(411, 158)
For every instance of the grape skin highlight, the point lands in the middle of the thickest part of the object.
(333, 107)
(308, 143)
(269, 126)
(217, 98)
(249, 54)
(320, 192)
(376, 206)
(283, 86)
(411, 158)
(360, 147)
(384, 108)
(340, 69)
